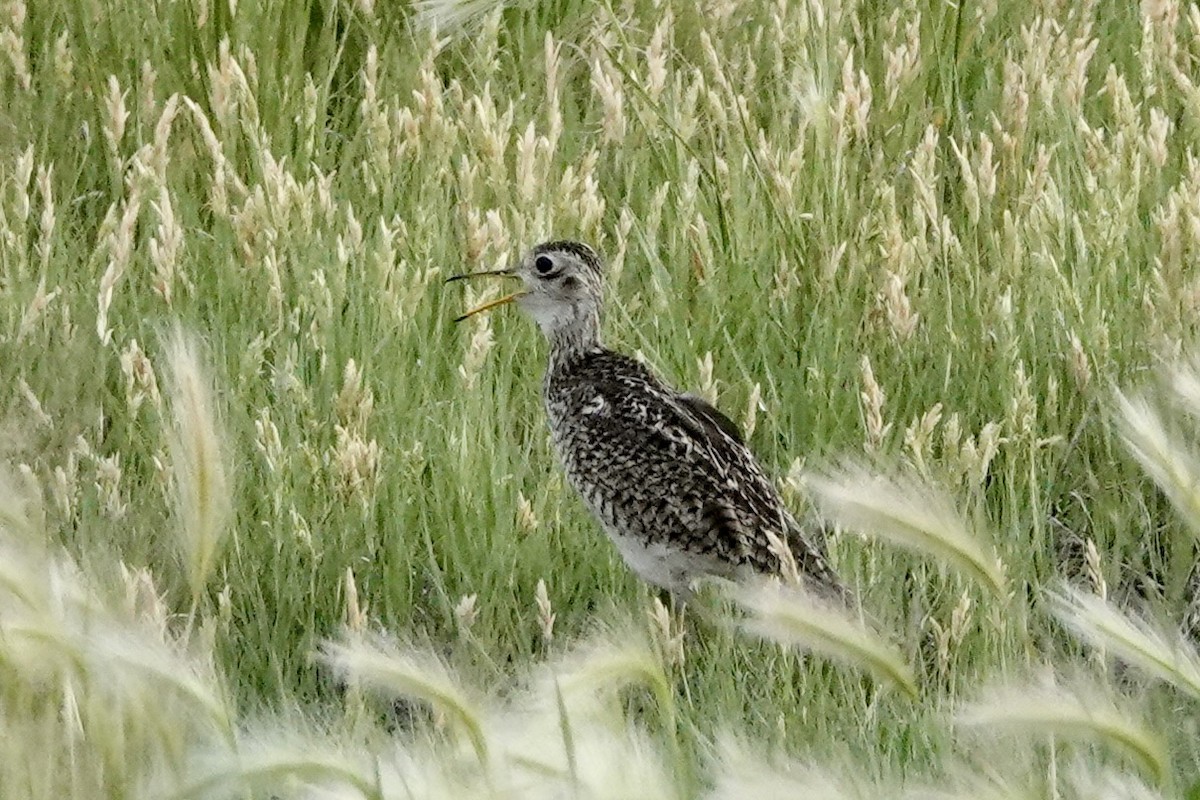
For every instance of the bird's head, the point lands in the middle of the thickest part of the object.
(563, 286)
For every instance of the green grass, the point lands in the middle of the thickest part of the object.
(996, 217)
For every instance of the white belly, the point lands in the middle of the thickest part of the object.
(663, 565)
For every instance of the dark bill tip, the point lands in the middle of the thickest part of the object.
(500, 273)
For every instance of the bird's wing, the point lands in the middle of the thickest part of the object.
(750, 504)
(709, 414)
(697, 446)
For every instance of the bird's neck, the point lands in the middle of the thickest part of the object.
(569, 342)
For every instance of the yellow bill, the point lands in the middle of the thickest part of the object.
(489, 305)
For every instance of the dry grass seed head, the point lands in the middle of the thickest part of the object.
(1136, 641)
(404, 671)
(907, 512)
(1170, 462)
(1087, 713)
(201, 471)
(742, 772)
(792, 617)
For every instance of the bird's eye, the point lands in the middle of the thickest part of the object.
(544, 265)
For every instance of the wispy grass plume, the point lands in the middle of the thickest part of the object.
(1136, 641)
(908, 512)
(617, 657)
(200, 466)
(408, 672)
(282, 756)
(741, 771)
(792, 617)
(1169, 461)
(449, 16)
(1091, 782)
(1084, 713)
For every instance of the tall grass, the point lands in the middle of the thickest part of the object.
(930, 241)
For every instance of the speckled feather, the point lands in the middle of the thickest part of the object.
(666, 471)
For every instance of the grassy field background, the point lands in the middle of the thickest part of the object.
(244, 438)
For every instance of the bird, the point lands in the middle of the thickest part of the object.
(668, 476)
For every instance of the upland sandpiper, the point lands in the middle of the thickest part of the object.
(666, 473)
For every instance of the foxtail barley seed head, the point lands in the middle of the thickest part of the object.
(1169, 461)
(1095, 783)
(792, 617)
(201, 472)
(594, 670)
(22, 556)
(404, 671)
(1164, 656)
(910, 513)
(1184, 381)
(453, 16)
(742, 771)
(1042, 709)
(263, 762)
(132, 659)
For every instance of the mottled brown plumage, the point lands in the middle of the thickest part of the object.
(666, 474)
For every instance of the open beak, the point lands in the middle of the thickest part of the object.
(488, 306)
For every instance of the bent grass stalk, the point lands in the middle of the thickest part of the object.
(794, 618)
(908, 512)
(1170, 461)
(408, 672)
(1098, 622)
(1039, 710)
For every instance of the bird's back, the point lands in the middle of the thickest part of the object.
(668, 476)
